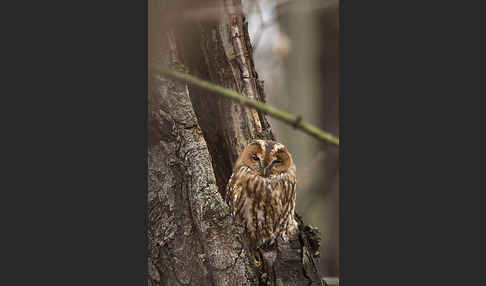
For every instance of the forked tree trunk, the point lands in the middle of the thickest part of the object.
(194, 140)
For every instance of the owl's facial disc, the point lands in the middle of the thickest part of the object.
(268, 169)
(257, 161)
(267, 158)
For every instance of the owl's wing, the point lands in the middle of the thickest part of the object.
(286, 204)
(232, 189)
(235, 188)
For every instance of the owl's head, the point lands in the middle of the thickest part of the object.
(267, 158)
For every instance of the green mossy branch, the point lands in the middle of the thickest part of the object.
(286, 117)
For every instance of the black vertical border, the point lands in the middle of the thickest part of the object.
(74, 120)
(409, 211)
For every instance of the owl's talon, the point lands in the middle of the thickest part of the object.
(256, 257)
(268, 245)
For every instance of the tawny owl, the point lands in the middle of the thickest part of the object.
(261, 192)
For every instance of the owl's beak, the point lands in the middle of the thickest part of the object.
(267, 170)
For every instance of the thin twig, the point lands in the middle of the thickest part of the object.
(284, 116)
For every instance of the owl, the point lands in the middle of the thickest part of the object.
(261, 192)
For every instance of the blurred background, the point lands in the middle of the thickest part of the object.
(296, 53)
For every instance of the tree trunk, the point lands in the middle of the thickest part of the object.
(194, 140)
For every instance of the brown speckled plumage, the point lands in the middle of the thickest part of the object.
(261, 192)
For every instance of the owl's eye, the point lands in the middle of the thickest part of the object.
(278, 161)
(255, 157)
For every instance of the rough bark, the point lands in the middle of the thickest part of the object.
(192, 238)
(194, 140)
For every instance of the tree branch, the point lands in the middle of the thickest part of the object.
(284, 116)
